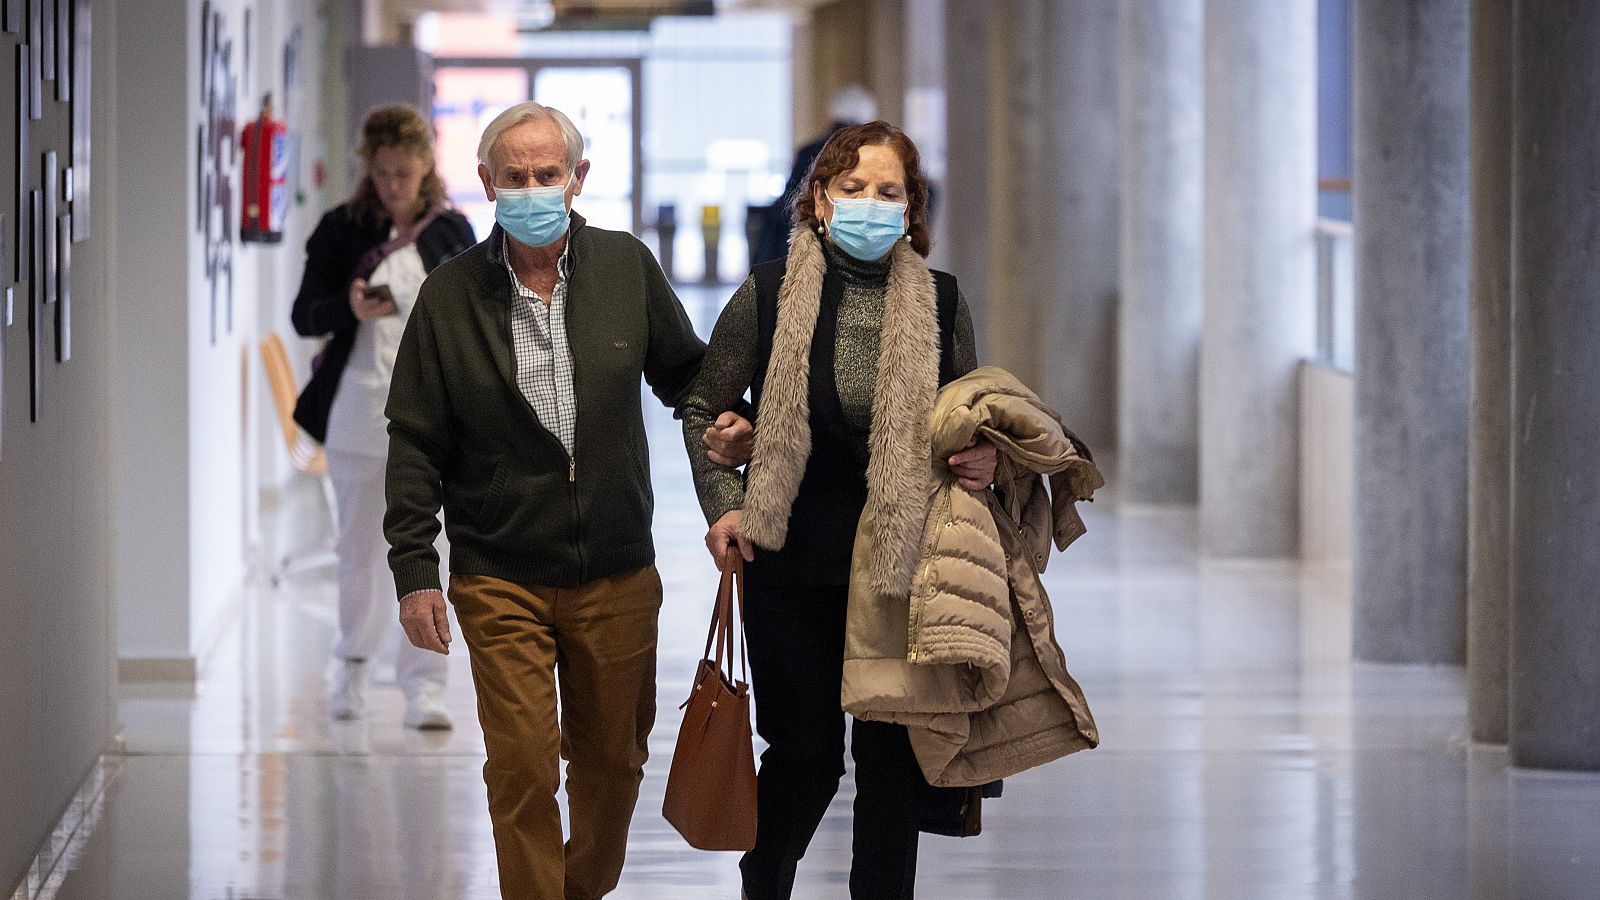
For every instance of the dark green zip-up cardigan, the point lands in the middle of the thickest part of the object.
(462, 436)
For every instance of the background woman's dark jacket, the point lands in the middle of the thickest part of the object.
(322, 307)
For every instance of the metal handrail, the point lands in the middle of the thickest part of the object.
(1336, 294)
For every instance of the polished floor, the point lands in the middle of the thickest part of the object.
(1245, 757)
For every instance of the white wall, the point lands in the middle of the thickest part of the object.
(149, 460)
(193, 434)
(216, 383)
(278, 269)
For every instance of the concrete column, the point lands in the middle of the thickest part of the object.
(831, 52)
(1489, 451)
(1073, 246)
(922, 23)
(964, 218)
(1160, 107)
(1024, 175)
(850, 42)
(924, 121)
(345, 29)
(885, 58)
(1555, 563)
(1260, 263)
(1410, 548)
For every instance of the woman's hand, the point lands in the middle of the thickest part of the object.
(727, 534)
(974, 466)
(730, 441)
(369, 308)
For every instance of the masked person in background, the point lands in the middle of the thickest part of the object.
(849, 105)
(516, 407)
(364, 265)
(840, 345)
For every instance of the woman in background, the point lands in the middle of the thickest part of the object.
(364, 265)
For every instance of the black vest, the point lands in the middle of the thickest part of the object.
(822, 522)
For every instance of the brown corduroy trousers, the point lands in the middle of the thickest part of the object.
(598, 643)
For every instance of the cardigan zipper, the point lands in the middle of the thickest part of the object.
(577, 520)
(572, 460)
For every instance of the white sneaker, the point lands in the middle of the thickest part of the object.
(425, 708)
(349, 700)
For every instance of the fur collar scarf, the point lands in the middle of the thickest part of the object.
(899, 474)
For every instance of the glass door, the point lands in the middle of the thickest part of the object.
(602, 97)
(599, 100)
(465, 100)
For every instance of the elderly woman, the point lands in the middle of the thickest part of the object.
(842, 347)
(364, 266)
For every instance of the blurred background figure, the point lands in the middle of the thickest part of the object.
(850, 105)
(364, 265)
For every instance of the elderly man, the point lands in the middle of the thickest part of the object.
(515, 405)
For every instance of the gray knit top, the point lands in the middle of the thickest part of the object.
(730, 364)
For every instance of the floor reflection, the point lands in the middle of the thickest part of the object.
(1244, 757)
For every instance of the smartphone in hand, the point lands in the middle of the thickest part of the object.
(379, 302)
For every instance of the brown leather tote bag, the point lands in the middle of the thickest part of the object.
(711, 790)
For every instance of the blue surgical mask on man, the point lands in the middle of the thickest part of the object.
(535, 216)
(866, 228)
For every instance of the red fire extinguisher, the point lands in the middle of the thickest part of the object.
(266, 175)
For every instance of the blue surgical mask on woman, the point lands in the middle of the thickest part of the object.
(535, 216)
(866, 228)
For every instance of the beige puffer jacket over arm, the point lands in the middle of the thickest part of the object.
(969, 661)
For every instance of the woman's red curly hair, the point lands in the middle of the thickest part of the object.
(842, 153)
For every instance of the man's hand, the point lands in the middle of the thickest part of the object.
(727, 534)
(426, 624)
(974, 466)
(731, 440)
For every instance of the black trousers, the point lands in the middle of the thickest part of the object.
(796, 638)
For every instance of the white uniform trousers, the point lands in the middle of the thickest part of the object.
(367, 603)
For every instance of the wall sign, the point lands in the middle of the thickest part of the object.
(218, 163)
(45, 120)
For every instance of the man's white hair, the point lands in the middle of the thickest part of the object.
(528, 112)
